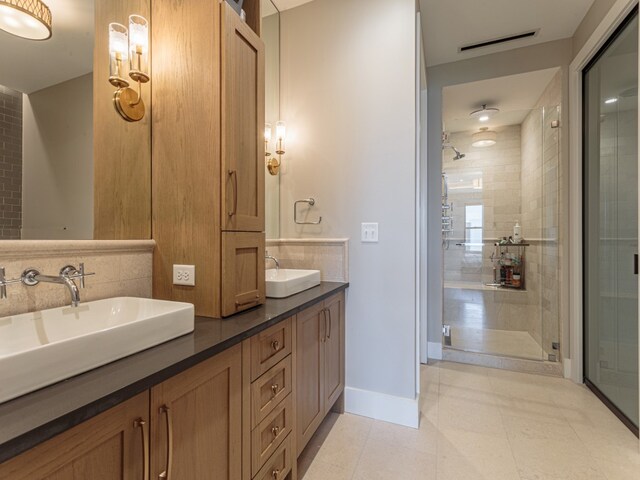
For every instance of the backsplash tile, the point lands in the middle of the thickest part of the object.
(330, 256)
(122, 268)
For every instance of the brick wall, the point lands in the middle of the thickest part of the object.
(10, 163)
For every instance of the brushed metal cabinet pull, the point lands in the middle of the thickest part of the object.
(166, 475)
(330, 321)
(140, 423)
(275, 474)
(275, 431)
(234, 175)
(324, 333)
(274, 388)
(275, 345)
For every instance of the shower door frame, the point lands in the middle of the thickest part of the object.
(574, 365)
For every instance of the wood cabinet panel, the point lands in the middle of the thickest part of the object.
(270, 347)
(121, 150)
(243, 108)
(106, 447)
(243, 271)
(334, 361)
(197, 423)
(279, 465)
(271, 432)
(186, 150)
(310, 373)
(269, 390)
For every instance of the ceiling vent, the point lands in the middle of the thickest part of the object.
(499, 41)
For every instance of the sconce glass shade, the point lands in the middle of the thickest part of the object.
(30, 19)
(139, 48)
(281, 131)
(484, 138)
(118, 50)
(267, 132)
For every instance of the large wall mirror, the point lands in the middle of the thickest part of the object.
(271, 37)
(46, 147)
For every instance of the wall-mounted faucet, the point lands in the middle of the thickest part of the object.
(31, 277)
(271, 257)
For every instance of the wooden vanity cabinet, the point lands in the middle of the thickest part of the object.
(320, 362)
(208, 154)
(196, 421)
(109, 446)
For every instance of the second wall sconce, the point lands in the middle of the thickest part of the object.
(131, 45)
(273, 164)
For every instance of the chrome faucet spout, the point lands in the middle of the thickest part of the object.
(32, 277)
(275, 260)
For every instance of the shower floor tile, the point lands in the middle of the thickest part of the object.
(496, 342)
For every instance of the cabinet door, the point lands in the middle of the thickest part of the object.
(334, 346)
(196, 417)
(243, 272)
(310, 373)
(242, 125)
(112, 446)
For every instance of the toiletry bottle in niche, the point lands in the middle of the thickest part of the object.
(517, 233)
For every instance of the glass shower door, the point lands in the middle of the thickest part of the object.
(611, 222)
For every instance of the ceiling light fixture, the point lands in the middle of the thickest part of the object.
(484, 114)
(30, 19)
(484, 138)
(609, 101)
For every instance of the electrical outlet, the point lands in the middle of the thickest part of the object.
(184, 275)
(369, 233)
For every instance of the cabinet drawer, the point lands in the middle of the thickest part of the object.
(269, 390)
(269, 347)
(270, 434)
(279, 465)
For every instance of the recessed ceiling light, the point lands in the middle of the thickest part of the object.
(609, 101)
(484, 118)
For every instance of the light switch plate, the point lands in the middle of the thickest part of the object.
(184, 275)
(369, 233)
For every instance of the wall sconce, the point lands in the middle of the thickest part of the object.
(131, 45)
(273, 164)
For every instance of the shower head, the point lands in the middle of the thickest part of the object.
(459, 156)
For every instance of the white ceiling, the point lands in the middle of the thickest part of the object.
(450, 24)
(514, 95)
(67, 54)
(287, 4)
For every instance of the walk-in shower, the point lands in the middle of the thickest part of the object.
(502, 265)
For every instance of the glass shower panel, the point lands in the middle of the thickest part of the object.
(611, 221)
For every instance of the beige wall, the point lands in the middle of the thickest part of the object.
(349, 84)
(589, 23)
(57, 181)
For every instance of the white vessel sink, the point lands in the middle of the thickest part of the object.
(41, 348)
(286, 282)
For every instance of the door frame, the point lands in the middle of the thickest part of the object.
(573, 365)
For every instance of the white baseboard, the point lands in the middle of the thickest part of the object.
(388, 408)
(434, 350)
(566, 364)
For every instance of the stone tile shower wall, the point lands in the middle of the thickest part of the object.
(10, 163)
(498, 168)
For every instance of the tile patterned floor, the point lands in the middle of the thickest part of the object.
(481, 424)
(498, 342)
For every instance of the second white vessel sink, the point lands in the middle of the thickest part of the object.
(41, 348)
(286, 282)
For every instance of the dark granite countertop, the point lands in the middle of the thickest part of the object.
(38, 416)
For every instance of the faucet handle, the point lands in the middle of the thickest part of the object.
(4, 282)
(72, 272)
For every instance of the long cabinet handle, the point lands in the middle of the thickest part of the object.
(323, 335)
(166, 475)
(234, 175)
(330, 322)
(140, 423)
